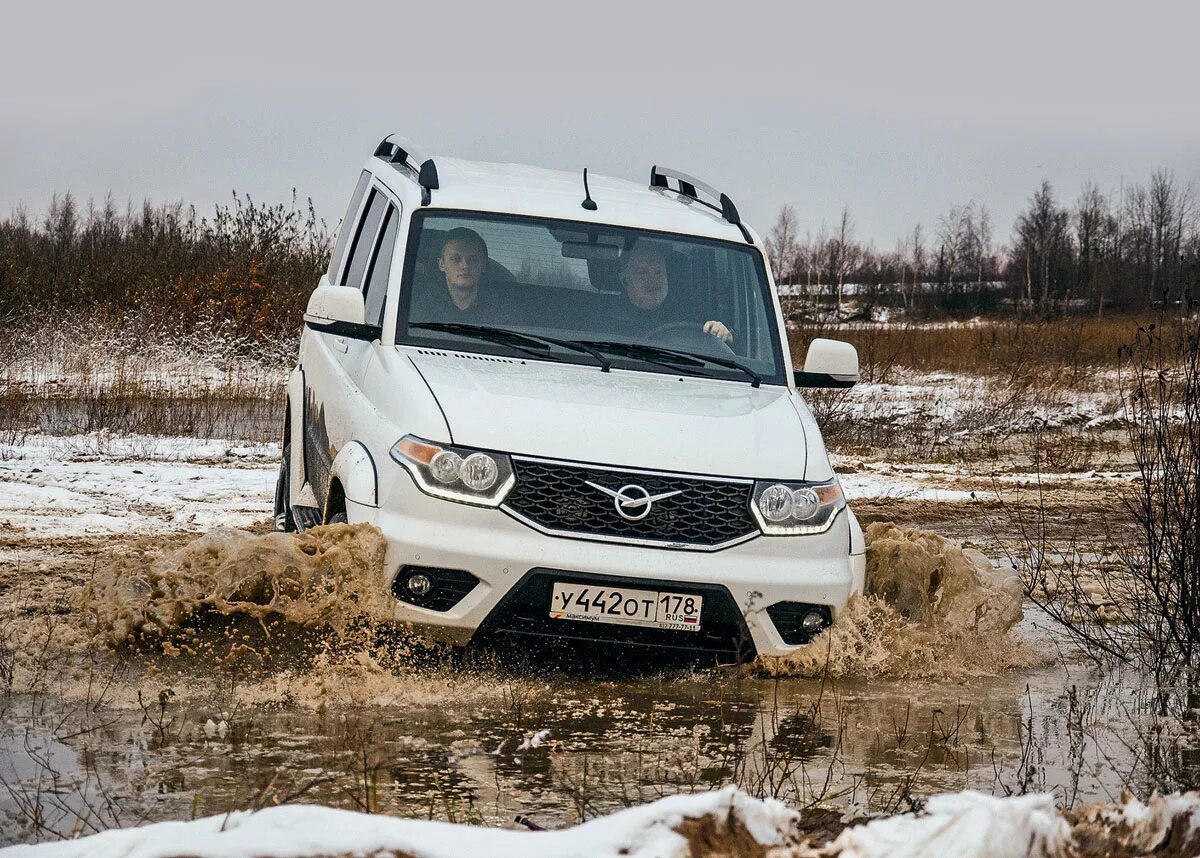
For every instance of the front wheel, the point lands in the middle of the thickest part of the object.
(284, 521)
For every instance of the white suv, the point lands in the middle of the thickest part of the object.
(570, 408)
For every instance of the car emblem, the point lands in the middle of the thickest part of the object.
(632, 502)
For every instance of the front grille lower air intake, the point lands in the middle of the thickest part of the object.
(696, 512)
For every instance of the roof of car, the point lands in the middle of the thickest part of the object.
(527, 190)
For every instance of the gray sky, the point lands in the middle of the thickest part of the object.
(897, 110)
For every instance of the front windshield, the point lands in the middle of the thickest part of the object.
(582, 292)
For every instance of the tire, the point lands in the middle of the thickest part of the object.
(337, 518)
(284, 521)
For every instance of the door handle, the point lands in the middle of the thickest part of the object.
(339, 343)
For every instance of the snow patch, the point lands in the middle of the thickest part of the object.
(955, 824)
(300, 830)
(102, 484)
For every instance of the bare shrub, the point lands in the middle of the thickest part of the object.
(1163, 368)
(1137, 600)
(249, 267)
(1134, 600)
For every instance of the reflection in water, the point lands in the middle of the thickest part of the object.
(464, 748)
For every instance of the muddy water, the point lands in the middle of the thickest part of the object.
(240, 679)
(931, 608)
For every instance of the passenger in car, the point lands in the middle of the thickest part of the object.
(459, 293)
(643, 275)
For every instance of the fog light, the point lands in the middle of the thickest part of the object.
(419, 584)
(812, 623)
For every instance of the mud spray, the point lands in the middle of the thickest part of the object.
(328, 577)
(931, 609)
(295, 619)
(305, 616)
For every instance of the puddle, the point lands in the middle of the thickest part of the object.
(474, 747)
(254, 669)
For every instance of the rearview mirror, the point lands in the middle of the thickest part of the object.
(588, 250)
(829, 363)
(339, 310)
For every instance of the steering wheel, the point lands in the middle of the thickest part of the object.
(691, 333)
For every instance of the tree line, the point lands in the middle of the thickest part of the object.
(1125, 251)
(248, 268)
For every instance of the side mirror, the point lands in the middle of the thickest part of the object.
(339, 310)
(829, 363)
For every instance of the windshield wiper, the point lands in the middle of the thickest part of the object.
(516, 339)
(656, 354)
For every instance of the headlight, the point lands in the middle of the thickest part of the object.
(790, 509)
(456, 473)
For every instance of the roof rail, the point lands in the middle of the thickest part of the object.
(401, 152)
(689, 187)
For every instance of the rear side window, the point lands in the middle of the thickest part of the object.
(364, 241)
(381, 266)
(339, 250)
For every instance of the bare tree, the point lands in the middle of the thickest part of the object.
(1042, 248)
(844, 256)
(1095, 237)
(1171, 209)
(783, 251)
(920, 261)
(983, 242)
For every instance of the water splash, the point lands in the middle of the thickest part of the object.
(326, 577)
(931, 609)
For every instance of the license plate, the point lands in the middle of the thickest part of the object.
(659, 610)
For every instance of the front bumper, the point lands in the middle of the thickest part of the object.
(501, 551)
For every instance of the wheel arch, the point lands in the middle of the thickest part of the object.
(353, 477)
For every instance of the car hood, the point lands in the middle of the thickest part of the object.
(623, 418)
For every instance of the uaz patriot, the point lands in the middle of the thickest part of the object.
(569, 405)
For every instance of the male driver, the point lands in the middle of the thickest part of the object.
(643, 273)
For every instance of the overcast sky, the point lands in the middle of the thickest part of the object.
(896, 110)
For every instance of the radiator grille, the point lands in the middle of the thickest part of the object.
(558, 497)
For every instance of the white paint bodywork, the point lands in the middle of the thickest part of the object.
(626, 418)
(355, 468)
(369, 395)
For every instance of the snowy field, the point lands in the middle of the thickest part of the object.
(103, 484)
(478, 748)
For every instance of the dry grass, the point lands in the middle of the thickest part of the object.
(82, 375)
(1062, 350)
(239, 411)
(982, 386)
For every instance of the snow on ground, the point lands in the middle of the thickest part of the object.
(299, 830)
(932, 481)
(887, 487)
(81, 355)
(726, 821)
(100, 484)
(104, 484)
(974, 403)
